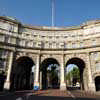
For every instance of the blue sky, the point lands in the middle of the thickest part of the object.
(38, 12)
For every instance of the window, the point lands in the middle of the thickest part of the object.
(65, 45)
(98, 66)
(34, 44)
(57, 37)
(27, 43)
(81, 44)
(7, 38)
(50, 45)
(3, 53)
(11, 28)
(73, 45)
(42, 44)
(68, 45)
(96, 55)
(65, 36)
(94, 42)
(3, 56)
(62, 45)
(57, 45)
(2, 63)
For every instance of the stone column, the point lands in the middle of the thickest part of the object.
(41, 80)
(36, 82)
(91, 85)
(7, 82)
(62, 82)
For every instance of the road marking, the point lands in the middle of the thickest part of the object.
(71, 94)
(19, 98)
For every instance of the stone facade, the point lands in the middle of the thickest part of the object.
(41, 42)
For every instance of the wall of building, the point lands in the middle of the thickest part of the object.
(79, 41)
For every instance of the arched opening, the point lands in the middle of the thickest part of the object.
(77, 66)
(2, 80)
(50, 73)
(97, 83)
(23, 75)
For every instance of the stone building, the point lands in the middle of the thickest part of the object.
(24, 48)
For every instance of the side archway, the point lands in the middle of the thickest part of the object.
(23, 75)
(81, 65)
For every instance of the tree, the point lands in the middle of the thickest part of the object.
(73, 75)
(53, 76)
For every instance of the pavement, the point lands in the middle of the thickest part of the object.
(51, 94)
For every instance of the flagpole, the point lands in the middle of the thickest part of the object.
(53, 13)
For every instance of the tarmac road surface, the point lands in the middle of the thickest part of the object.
(53, 94)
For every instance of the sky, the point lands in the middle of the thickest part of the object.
(38, 12)
(70, 67)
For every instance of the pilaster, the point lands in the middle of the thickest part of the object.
(7, 82)
(36, 82)
(91, 85)
(62, 82)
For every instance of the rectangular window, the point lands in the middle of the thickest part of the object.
(65, 45)
(93, 42)
(73, 45)
(50, 45)
(34, 44)
(42, 44)
(57, 45)
(98, 66)
(81, 44)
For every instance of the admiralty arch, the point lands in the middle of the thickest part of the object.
(25, 47)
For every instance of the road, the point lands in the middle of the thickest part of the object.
(53, 94)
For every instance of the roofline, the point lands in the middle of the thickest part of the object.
(8, 19)
(47, 28)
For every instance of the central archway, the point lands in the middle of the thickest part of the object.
(23, 74)
(50, 73)
(81, 65)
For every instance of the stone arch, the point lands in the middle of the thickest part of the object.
(43, 68)
(56, 57)
(22, 73)
(81, 65)
(22, 54)
(96, 74)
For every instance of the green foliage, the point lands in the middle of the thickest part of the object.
(74, 73)
(53, 73)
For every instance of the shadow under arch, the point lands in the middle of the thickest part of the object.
(97, 83)
(43, 68)
(22, 77)
(81, 65)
